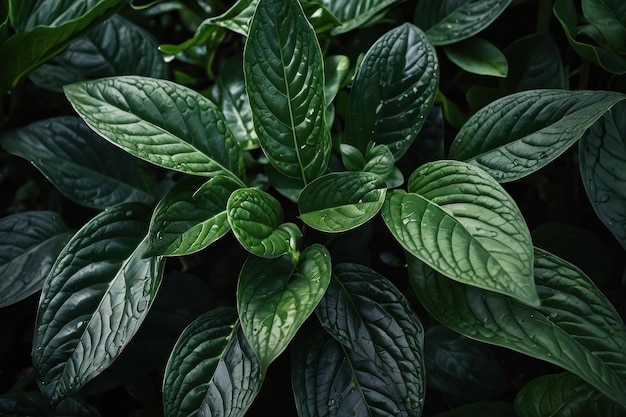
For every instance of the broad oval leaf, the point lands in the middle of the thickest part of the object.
(94, 299)
(478, 56)
(211, 355)
(461, 222)
(519, 134)
(575, 327)
(602, 158)
(355, 13)
(256, 219)
(29, 244)
(341, 201)
(609, 17)
(274, 298)
(27, 14)
(450, 21)
(78, 162)
(381, 336)
(285, 84)
(161, 122)
(393, 91)
(190, 217)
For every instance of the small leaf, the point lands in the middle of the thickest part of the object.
(609, 17)
(519, 134)
(341, 201)
(355, 13)
(336, 68)
(352, 158)
(379, 160)
(478, 56)
(319, 16)
(29, 244)
(458, 220)
(274, 298)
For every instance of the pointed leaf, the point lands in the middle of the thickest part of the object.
(575, 327)
(274, 298)
(609, 17)
(393, 91)
(450, 21)
(602, 160)
(285, 83)
(382, 338)
(341, 201)
(190, 217)
(97, 294)
(461, 222)
(162, 122)
(78, 162)
(355, 13)
(478, 56)
(519, 134)
(29, 244)
(27, 14)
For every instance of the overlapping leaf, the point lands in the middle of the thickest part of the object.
(27, 14)
(518, 134)
(609, 17)
(478, 56)
(355, 13)
(285, 83)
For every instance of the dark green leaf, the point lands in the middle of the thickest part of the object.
(27, 14)
(274, 298)
(355, 13)
(29, 403)
(519, 134)
(285, 83)
(379, 160)
(478, 56)
(162, 122)
(341, 201)
(393, 91)
(481, 409)
(319, 16)
(609, 17)
(29, 244)
(458, 220)
(336, 69)
(78, 162)
(352, 158)
(97, 294)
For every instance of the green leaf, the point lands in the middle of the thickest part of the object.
(96, 296)
(212, 370)
(460, 221)
(352, 158)
(256, 219)
(602, 158)
(319, 16)
(450, 21)
(161, 122)
(341, 201)
(393, 91)
(274, 298)
(78, 162)
(609, 17)
(336, 69)
(379, 160)
(285, 83)
(355, 13)
(481, 409)
(29, 243)
(521, 133)
(381, 337)
(478, 56)
(575, 327)
(190, 217)
(25, 15)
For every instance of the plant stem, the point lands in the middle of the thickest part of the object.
(544, 15)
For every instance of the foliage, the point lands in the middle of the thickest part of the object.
(379, 204)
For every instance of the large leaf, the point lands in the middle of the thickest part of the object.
(25, 15)
(162, 122)
(78, 162)
(274, 298)
(212, 370)
(602, 161)
(609, 17)
(97, 294)
(382, 340)
(285, 83)
(458, 220)
(393, 91)
(575, 327)
(29, 244)
(519, 134)
(450, 21)
(355, 13)
(341, 201)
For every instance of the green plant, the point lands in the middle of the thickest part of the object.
(313, 165)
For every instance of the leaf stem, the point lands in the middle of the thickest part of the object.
(544, 15)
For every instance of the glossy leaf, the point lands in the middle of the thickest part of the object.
(78, 162)
(29, 243)
(575, 327)
(381, 336)
(519, 134)
(393, 91)
(341, 201)
(602, 157)
(190, 217)
(478, 56)
(355, 13)
(256, 219)
(379, 160)
(26, 15)
(458, 220)
(97, 294)
(285, 83)
(274, 298)
(161, 122)
(609, 17)
(450, 21)
(319, 16)
(336, 69)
